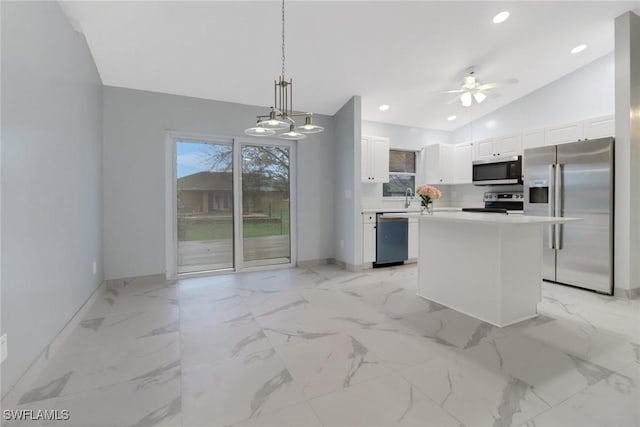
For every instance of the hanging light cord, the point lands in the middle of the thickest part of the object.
(283, 39)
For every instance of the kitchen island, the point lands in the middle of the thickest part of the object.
(488, 266)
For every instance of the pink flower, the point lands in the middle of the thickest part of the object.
(428, 191)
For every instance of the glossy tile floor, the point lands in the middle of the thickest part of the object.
(325, 347)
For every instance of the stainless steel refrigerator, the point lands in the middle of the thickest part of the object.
(574, 180)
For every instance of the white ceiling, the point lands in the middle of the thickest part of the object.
(397, 53)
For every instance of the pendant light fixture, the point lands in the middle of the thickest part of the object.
(281, 115)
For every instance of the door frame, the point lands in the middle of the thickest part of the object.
(171, 228)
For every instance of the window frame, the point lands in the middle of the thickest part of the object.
(416, 154)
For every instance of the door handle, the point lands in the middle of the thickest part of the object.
(558, 203)
(551, 203)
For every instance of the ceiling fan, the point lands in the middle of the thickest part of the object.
(472, 89)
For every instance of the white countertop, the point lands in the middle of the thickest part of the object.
(409, 210)
(484, 218)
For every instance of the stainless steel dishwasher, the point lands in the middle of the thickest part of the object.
(392, 238)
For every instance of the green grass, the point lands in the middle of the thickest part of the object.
(219, 228)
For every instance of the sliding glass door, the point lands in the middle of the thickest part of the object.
(232, 205)
(266, 209)
(204, 205)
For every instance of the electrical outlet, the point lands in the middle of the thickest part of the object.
(95, 268)
(3, 348)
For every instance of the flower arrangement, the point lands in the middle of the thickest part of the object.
(428, 194)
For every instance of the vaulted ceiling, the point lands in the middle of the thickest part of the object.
(397, 53)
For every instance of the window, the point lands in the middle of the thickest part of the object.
(402, 173)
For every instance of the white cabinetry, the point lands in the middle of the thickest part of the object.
(533, 139)
(600, 127)
(368, 238)
(569, 132)
(414, 239)
(375, 159)
(462, 163)
(438, 164)
(493, 149)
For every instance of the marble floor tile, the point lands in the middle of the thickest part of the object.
(587, 342)
(384, 401)
(298, 415)
(610, 402)
(324, 346)
(153, 399)
(330, 363)
(397, 348)
(473, 394)
(232, 392)
(555, 375)
(110, 302)
(238, 339)
(449, 327)
(83, 372)
(393, 297)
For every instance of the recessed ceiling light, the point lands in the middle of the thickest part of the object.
(501, 17)
(578, 49)
(383, 107)
(451, 118)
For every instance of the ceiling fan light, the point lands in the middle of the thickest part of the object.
(465, 98)
(309, 127)
(292, 134)
(479, 97)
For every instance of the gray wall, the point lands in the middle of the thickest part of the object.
(348, 222)
(136, 123)
(51, 178)
(584, 93)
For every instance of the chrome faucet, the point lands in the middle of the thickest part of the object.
(407, 201)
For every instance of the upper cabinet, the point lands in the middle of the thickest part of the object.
(569, 132)
(375, 159)
(533, 139)
(462, 163)
(438, 164)
(600, 127)
(597, 127)
(493, 149)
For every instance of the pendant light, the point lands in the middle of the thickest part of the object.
(281, 115)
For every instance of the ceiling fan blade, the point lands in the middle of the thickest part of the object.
(454, 100)
(455, 91)
(493, 85)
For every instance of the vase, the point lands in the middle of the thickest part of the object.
(428, 209)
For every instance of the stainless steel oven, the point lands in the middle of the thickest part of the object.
(506, 170)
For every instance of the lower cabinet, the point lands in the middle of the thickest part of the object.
(369, 238)
(413, 238)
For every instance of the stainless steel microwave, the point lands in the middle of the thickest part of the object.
(507, 170)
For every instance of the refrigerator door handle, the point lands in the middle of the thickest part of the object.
(558, 204)
(552, 206)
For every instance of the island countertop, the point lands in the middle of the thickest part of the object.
(485, 218)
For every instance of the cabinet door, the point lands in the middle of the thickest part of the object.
(485, 150)
(533, 139)
(432, 164)
(462, 165)
(600, 127)
(379, 152)
(446, 163)
(369, 242)
(366, 159)
(563, 134)
(509, 146)
(413, 239)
